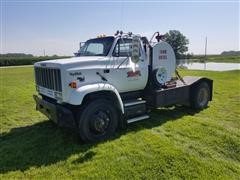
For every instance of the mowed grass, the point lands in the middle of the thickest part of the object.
(175, 143)
(218, 58)
(224, 58)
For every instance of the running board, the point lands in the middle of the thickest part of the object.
(133, 103)
(139, 118)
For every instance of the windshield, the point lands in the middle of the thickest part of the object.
(96, 47)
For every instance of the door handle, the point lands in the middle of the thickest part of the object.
(106, 70)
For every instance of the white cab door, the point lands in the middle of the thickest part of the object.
(123, 74)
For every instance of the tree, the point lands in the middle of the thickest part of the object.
(178, 42)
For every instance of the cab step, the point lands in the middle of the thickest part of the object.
(133, 102)
(139, 118)
(134, 108)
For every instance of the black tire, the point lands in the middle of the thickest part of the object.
(97, 121)
(200, 96)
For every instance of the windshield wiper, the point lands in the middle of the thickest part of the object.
(98, 55)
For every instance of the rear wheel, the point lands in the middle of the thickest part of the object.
(201, 96)
(97, 121)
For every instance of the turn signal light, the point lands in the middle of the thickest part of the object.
(73, 84)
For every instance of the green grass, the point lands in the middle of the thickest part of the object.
(219, 58)
(19, 60)
(175, 143)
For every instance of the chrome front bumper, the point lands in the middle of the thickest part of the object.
(61, 115)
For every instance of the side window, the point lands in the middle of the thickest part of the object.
(123, 48)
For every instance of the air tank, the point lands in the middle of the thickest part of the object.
(163, 62)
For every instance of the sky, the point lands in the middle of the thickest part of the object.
(57, 26)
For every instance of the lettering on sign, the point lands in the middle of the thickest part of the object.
(163, 54)
(133, 74)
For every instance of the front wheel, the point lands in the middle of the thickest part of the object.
(97, 121)
(200, 96)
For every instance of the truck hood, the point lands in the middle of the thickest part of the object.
(81, 62)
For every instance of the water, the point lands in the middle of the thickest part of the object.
(210, 66)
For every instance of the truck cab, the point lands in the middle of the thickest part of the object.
(112, 81)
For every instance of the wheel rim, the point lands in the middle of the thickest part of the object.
(99, 122)
(161, 75)
(202, 97)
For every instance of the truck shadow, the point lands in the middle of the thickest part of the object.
(43, 143)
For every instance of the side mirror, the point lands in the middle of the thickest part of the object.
(135, 49)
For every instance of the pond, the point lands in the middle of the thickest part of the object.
(210, 66)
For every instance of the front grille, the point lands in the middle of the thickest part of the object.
(49, 78)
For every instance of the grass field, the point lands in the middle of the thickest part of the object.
(219, 58)
(175, 143)
(19, 60)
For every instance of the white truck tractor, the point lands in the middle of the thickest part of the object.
(113, 81)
